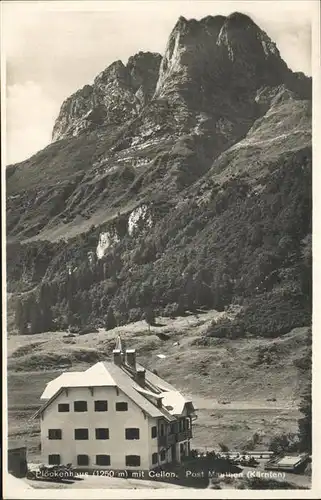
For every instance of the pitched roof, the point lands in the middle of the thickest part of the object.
(174, 402)
(129, 387)
(159, 382)
(107, 374)
(15, 445)
(62, 381)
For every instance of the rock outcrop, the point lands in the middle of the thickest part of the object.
(117, 94)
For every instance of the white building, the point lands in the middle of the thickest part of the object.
(114, 415)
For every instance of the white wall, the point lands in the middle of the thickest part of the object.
(116, 446)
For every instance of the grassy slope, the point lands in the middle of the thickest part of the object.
(222, 373)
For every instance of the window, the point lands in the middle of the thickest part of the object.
(102, 459)
(80, 405)
(154, 458)
(162, 455)
(54, 459)
(63, 407)
(81, 433)
(162, 429)
(82, 460)
(101, 405)
(54, 434)
(102, 433)
(154, 431)
(133, 460)
(132, 433)
(121, 406)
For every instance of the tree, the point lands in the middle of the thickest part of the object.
(284, 443)
(305, 423)
(110, 320)
(223, 447)
(20, 317)
(149, 316)
(36, 319)
(44, 300)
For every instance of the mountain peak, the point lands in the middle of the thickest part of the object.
(219, 48)
(118, 93)
(244, 38)
(240, 19)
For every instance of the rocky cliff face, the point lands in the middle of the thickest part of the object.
(159, 170)
(206, 85)
(117, 94)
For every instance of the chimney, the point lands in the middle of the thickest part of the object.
(140, 376)
(131, 358)
(117, 357)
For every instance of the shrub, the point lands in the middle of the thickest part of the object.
(135, 315)
(223, 447)
(251, 443)
(173, 310)
(225, 328)
(273, 314)
(149, 316)
(284, 443)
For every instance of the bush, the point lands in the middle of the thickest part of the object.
(135, 315)
(284, 443)
(251, 443)
(173, 310)
(273, 314)
(223, 447)
(225, 328)
(88, 329)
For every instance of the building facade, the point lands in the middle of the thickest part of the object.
(114, 415)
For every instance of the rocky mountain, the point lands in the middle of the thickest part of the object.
(175, 182)
(118, 94)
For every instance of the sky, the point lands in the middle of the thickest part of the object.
(54, 48)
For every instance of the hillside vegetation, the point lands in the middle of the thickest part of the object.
(242, 388)
(167, 192)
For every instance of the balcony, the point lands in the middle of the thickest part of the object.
(171, 439)
(182, 436)
(174, 438)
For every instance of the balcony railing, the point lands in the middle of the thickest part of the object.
(171, 439)
(182, 436)
(174, 438)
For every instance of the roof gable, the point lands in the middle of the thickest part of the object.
(108, 374)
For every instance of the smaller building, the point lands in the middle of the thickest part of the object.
(17, 459)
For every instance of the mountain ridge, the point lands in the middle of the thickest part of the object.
(155, 175)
